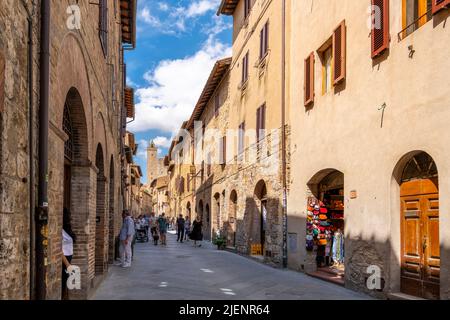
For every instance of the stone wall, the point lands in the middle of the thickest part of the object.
(81, 76)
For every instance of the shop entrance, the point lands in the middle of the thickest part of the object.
(420, 251)
(326, 225)
(259, 227)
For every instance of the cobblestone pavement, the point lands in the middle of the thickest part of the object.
(182, 272)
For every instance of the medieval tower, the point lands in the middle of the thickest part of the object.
(155, 166)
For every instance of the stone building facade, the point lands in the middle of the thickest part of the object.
(87, 112)
(235, 168)
(372, 124)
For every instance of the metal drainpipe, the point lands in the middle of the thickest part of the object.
(42, 209)
(30, 17)
(283, 134)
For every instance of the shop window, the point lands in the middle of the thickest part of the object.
(103, 25)
(264, 41)
(2, 82)
(416, 13)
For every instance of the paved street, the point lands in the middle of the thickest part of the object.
(182, 272)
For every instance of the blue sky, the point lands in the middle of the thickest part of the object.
(178, 42)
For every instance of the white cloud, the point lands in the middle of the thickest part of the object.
(148, 18)
(131, 83)
(142, 149)
(163, 6)
(174, 87)
(201, 7)
(162, 142)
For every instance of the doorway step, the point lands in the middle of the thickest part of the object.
(330, 275)
(402, 296)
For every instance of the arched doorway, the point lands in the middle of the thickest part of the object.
(325, 226)
(100, 223)
(112, 239)
(75, 189)
(207, 222)
(231, 225)
(260, 218)
(188, 211)
(216, 229)
(419, 227)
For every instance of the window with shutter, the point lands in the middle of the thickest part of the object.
(264, 41)
(339, 53)
(380, 27)
(438, 5)
(260, 122)
(309, 80)
(103, 25)
(223, 154)
(245, 68)
(241, 138)
(247, 8)
(2, 82)
(216, 104)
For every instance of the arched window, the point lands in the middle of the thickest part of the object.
(421, 166)
(67, 127)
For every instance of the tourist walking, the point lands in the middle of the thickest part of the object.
(126, 238)
(180, 228)
(196, 234)
(153, 222)
(162, 226)
(68, 239)
(187, 228)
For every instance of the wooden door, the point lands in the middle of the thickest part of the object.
(420, 251)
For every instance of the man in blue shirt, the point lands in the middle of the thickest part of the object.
(126, 237)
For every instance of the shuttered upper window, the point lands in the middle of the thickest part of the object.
(339, 53)
(309, 80)
(264, 41)
(438, 5)
(245, 68)
(2, 82)
(103, 25)
(223, 153)
(380, 27)
(247, 8)
(261, 122)
(241, 138)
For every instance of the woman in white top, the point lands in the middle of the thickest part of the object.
(68, 239)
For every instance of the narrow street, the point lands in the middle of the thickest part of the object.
(182, 272)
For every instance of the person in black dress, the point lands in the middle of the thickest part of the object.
(196, 233)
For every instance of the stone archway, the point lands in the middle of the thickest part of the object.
(100, 221)
(207, 222)
(217, 212)
(76, 178)
(419, 248)
(258, 227)
(112, 213)
(231, 221)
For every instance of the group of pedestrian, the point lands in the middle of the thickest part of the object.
(184, 231)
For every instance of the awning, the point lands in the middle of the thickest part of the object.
(227, 7)
(128, 19)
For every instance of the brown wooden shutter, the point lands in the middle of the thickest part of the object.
(438, 5)
(339, 53)
(223, 156)
(380, 36)
(2, 82)
(309, 80)
(103, 25)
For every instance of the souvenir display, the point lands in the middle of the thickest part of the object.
(325, 225)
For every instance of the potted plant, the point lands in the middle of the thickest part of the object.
(220, 242)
